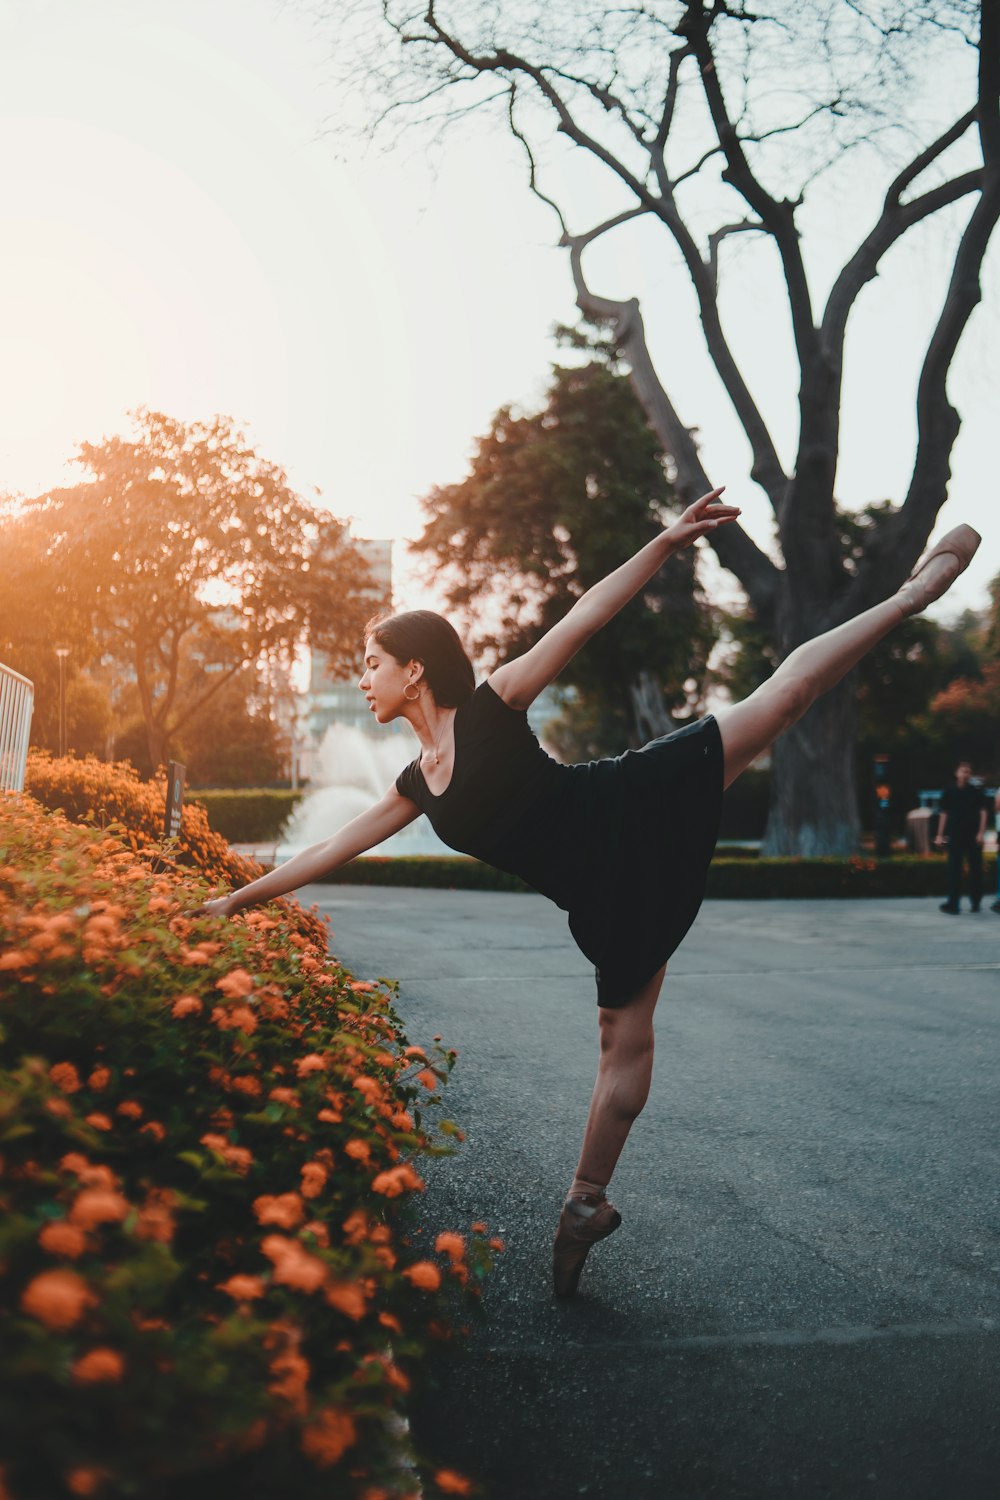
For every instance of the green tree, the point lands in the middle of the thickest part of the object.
(181, 557)
(554, 500)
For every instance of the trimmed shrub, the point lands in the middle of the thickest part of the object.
(248, 817)
(741, 877)
(208, 1143)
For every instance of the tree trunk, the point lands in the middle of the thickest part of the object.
(814, 800)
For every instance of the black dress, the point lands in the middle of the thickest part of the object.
(621, 844)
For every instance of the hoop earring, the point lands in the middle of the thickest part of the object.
(416, 692)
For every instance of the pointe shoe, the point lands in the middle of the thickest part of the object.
(584, 1220)
(917, 593)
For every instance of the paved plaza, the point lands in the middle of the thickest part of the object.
(804, 1297)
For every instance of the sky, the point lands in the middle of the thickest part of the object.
(185, 224)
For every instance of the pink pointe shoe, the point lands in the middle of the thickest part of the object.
(585, 1219)
(957, 547)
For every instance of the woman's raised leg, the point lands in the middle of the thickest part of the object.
(748, 728)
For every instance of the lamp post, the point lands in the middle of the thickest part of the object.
(62, 652)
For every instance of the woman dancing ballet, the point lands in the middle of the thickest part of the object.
(623, 844)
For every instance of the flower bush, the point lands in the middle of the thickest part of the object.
(114, 797)
(208, 1143)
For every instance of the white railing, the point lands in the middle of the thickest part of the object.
(17, 699)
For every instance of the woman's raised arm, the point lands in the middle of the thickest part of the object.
(519, 682)
(378, 822)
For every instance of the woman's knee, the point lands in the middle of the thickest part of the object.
(625, 1037)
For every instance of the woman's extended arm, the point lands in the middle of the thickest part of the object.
(379, 822)
(519, 682)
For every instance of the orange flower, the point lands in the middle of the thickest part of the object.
(63, 1238)
(311, 1063)
(291, 1377)
(65, 1077)
(402, 1119)
(237, 1156)
(293, 1265)
(155, 1129)
(239, 1018)
(389, 1320)
(415, 1052)
(156, 1221)
(57, 1298)
(479, 1227)
(450, 1244)
(328, 1438)
(286, 1096)
(371, 1089)
(99, 1079)
(61, 1108)
(247, 1084)
(98, 1365)
(427, 1078)
(187, 1005)
(497, 1244)
(393, 1182)
(130, 1108)
(347, 1297)
(17, 958)
(313, 1179)
(242, 1288)
(86, 1480)
(451, 1483)
(285, 1210)
(360, 985)
(235, 985)
(319, 1231)
(356, 1227)
(98, 1206)
(423, 1274)
(98, 1121)
(358, 1150)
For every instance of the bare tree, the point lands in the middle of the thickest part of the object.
(680, 98)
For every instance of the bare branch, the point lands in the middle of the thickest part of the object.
(777, 216)
(718, 235)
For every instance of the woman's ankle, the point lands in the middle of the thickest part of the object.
(581, 1187)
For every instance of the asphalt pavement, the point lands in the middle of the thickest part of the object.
(804, 1296)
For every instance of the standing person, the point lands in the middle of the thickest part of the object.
(996, 809)
(623, 844)
(963, 828)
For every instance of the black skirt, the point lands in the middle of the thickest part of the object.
(648, 825)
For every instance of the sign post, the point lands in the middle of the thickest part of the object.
(175, 799)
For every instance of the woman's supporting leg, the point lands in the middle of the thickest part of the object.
(622, 1087)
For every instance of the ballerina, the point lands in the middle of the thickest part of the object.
(622, 844)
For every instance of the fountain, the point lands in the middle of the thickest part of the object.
(353, 770)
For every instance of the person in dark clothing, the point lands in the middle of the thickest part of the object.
(964, 809)
(622, 844)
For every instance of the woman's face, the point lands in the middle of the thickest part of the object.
(384, 680)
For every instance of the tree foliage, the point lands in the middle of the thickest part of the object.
(703, 122)
(554, 500)
(180, 557)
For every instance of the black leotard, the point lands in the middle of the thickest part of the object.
(621, 844)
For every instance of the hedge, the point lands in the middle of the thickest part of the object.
(247, 817)
(738, 878)
(209, 1139)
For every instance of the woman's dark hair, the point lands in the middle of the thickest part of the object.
(421, 635)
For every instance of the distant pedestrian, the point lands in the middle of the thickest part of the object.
(964, 809)
(996, 808)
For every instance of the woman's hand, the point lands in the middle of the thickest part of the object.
(700, 518)
(222, 906)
